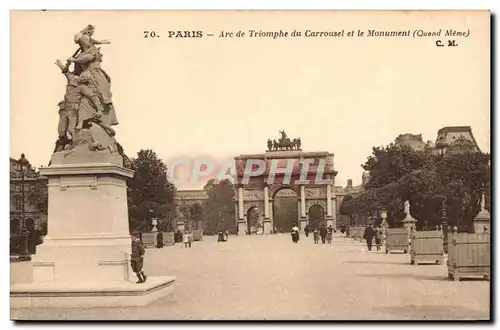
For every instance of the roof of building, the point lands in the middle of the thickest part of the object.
(454, 129)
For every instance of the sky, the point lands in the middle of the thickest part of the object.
(222, 97)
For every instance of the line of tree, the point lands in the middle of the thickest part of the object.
(219, 212)
(426, 179)
(150, 194)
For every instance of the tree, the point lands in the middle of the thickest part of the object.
(425, 179)
(467, 177)
(219, 207)
(390, 163)
(150, 194)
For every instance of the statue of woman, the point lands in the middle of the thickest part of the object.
(407, 208)
(89, 61)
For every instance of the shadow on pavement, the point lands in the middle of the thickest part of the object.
(438, 312)
(375, 262)
(408, 275)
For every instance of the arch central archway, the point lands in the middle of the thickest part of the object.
(253, 217)
(316, 216)
(285, 209)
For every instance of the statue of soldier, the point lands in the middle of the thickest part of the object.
(298, 144)
(269, 144)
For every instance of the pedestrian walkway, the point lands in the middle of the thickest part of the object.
(269, 277)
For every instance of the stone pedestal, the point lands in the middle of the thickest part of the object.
(482, 220)
(84, 260)
(410, 224)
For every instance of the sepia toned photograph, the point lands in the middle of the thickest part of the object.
(250, 165)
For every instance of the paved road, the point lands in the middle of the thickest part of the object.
(269, 277)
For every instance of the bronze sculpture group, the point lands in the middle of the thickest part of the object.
(87, 113)
(284, 143)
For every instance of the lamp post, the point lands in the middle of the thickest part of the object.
(189, 220)
(23, 163)
(444, 224)
(220, 221)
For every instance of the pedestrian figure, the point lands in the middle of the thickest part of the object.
(322, 233)
(316, 236)
(186, 239)
(368, 235)
(295, 234)
(137, 257)
(226, 236)
(159, 240)
(378, 238)
(307, 230)
(178, 237)
(342, 229)
(329, 234)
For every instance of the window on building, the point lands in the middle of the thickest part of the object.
(32, 201)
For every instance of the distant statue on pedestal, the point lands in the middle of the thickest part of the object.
(408, 222)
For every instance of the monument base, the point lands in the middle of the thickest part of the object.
(84, 260)
(90, 294)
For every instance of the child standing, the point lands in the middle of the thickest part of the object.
(137, 257)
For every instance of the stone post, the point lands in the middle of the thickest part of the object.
(266, 202)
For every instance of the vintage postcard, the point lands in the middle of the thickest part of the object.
(250, 165)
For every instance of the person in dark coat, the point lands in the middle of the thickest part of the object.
(307, 229)
(137, 257)
(322, 233)
(329, 234)
(295, 234)
(220, 236)
(368, 235)
(178, 236)
(159, 240)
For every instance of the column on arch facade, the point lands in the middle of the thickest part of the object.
(240, 203)
(266, 202)
(328, 200)
(302, 201)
